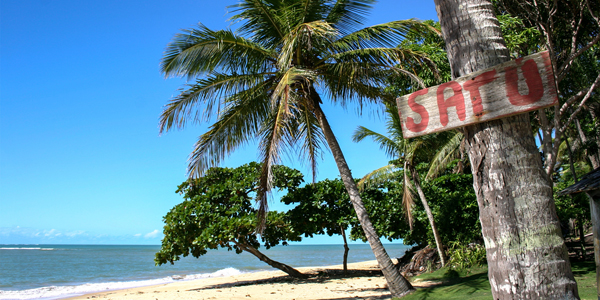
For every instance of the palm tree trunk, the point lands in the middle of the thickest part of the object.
(527, 257)
(436, 235)
(275, 264)
(397, 284)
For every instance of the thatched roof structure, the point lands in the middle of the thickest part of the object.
(589, 183)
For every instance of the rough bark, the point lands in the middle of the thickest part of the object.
(397, 284)
(436, 235)
(275, 264)
(527, 257)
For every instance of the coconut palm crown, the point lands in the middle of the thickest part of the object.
(263, 81)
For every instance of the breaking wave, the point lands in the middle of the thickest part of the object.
(56, 292)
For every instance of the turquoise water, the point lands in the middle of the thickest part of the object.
(58, 271)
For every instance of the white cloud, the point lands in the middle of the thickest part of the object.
(75, 233)
(27, 235)
(152, 234)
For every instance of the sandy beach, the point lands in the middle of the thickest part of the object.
(364, 281)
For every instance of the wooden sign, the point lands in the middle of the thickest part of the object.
(507, 89)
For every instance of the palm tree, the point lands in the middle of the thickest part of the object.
(526, 255)
(438, 150)
(264, 82)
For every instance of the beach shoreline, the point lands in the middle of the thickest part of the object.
(363, 281)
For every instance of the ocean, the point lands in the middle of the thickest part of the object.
(60, 271)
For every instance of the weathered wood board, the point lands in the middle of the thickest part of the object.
(507, 89)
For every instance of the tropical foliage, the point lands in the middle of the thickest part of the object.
(264, 82)
(320, 208)
(452, 202)
(324, 207)
(569, 30)
(217, 212)
(436, 149)
(433, 45)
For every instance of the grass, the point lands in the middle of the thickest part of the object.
(473, 283)
(585, 275)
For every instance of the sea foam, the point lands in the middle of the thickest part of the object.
(56, 292)
(26, 248)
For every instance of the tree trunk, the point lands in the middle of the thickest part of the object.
(346, 250)
(436, 235)
(275, 264)
(591, 156)
(527, 257)
(579, 219)
(397, 284)
(597, 131)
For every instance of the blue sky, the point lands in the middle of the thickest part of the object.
(81, 160)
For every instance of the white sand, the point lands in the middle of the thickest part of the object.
(363, 282)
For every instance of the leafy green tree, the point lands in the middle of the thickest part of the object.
(569, 31)
(384, 203)
(217, 212)
(450, 197)
(454, 205)
(324, 207)
(321, 208)
(452, 202)
(264, 82)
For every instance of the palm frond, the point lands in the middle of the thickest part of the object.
(380, 56)
(238, 123)
(305, 11)
(388, 34)
(444, 155)
(387, 145)
(303, 38)
(353, 82)
(393, 123)
(410, 150)
(197, 102)
(198, 51)
(388, 59)
(264, 21)
(377, 176)
(275, 134)
(291, 79)
(347, 15)
(408, 200)
(312, 137)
